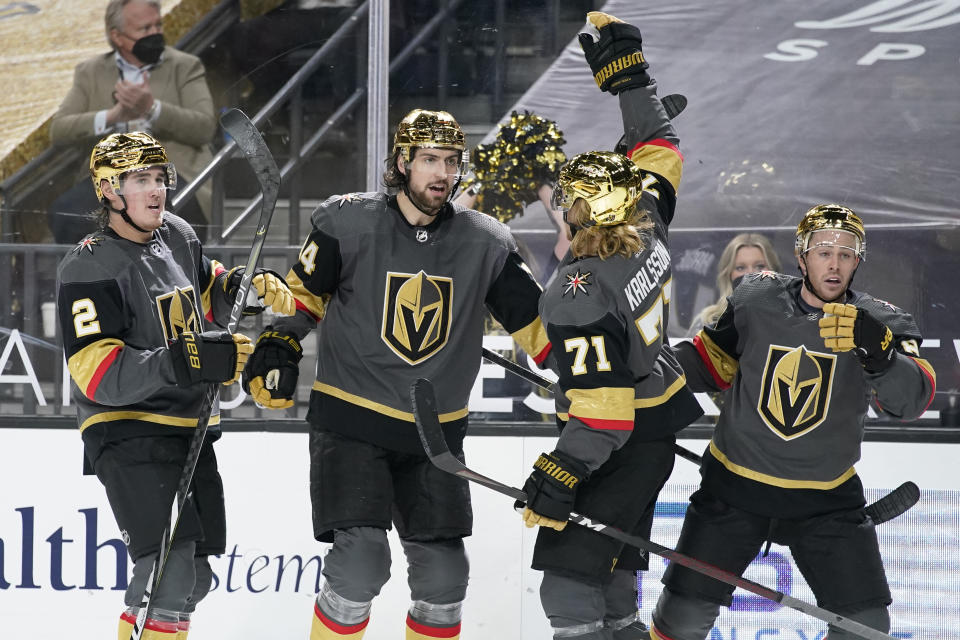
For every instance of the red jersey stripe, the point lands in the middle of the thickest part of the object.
(605, 425)
(100, 372)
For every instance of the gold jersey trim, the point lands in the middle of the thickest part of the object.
(645, 403)
(784, 483)
(143, 416)
(725, 366)
(382, 408)
(206, 306)
(603, 403)
(664, 161)
(675, 386)
(316, 305)
(85, 364)
(927, 367)
(533, 338)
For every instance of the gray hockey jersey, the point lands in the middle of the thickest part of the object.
(794, 415)
(607, 318)
(119, 304)
(401, 302)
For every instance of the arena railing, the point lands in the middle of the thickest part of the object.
(34, 385)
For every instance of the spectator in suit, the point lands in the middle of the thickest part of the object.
(141, 85)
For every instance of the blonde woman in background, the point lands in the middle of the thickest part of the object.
(746, 253)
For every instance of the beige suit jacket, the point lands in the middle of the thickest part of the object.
(185, 126)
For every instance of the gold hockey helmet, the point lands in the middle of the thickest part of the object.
(609, 182)
(831, 216)
(121, 153)
(430, 129)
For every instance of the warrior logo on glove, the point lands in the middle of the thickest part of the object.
(551, 468)
(613, 51)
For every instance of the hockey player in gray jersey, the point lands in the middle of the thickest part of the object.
(140, 310)
(398, 284)
(622, 395)
(801, 356)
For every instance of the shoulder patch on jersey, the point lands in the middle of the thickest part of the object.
(347, 198)
(578, 281)
(883, 303)
(87, 243)
(763, 279)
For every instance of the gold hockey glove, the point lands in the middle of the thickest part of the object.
(211, 356)
(614, 52)
(271, 290)
(551, 490)
(846, 327)
(272, 371)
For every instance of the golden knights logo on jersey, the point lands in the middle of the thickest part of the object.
(417, 311)
(795, 393)
(178, 312)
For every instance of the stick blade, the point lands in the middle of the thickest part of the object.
(674, 104)
(236, 123)
(435, 444)
(894, 503)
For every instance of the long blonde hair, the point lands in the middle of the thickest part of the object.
(622, 239)
(725, 266)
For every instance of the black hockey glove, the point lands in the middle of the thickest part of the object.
(616, 56)
(845, 327)
(551, 490)
(271, 290)
(211, 356)
(272, 371)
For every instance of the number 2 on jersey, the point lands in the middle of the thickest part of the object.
(84, 317)
(582, 347)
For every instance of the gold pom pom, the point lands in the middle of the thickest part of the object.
(526, 153)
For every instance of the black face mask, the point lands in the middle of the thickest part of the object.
(148, 48)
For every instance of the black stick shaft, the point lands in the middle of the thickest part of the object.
(435, 446)
(249, 140)
(544, 383)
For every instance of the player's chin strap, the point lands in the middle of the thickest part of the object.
(123, 214)
(809, 285)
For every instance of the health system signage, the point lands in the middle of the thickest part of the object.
(62, 561)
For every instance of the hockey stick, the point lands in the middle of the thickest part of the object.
(543, 383)
(886, 508)
(251, 143)
(894, 503)
(435, 446)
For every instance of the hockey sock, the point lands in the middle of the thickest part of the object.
(183, 626)
(420, 631)
(160, 627)
(325, 628)
(427, 621)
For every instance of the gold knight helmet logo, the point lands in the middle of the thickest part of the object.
(178, 312)
(417, 312)
(795, 393)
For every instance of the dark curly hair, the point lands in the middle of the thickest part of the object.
(392, 177)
